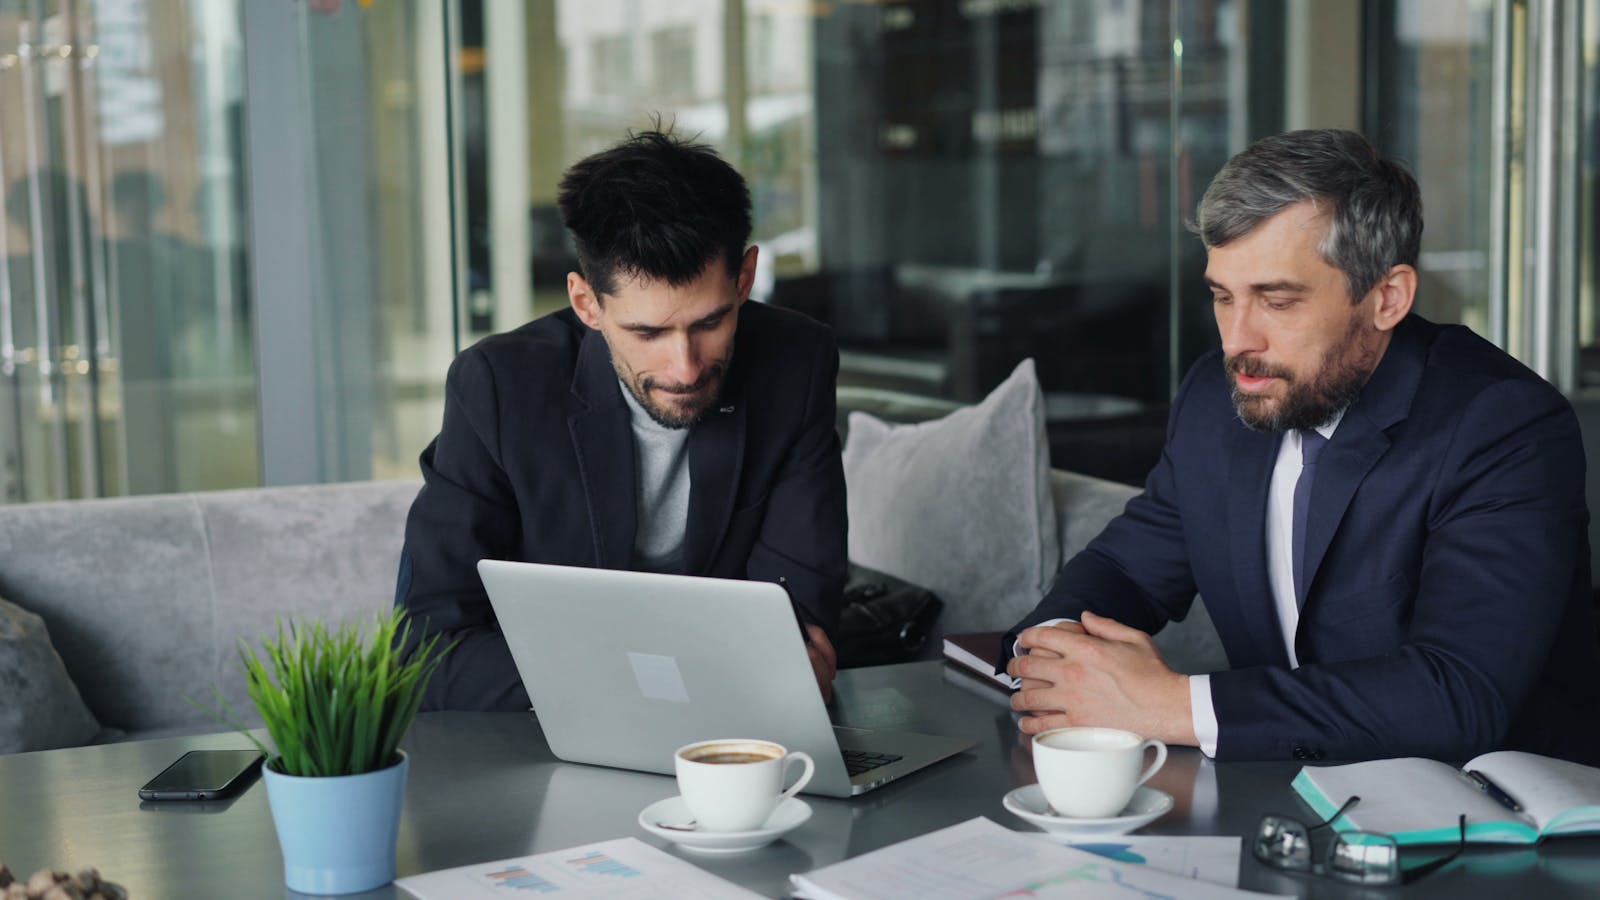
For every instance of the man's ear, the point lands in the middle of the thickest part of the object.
(585, 302)
(1395, 293)
(747, 273)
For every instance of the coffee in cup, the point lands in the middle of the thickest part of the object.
(1091, 773)
(735, 784)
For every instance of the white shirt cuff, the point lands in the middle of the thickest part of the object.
(1016, 645)
(1202, 714)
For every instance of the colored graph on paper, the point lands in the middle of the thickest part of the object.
(595, 864)
(620, 869)
(1092, 879)
(1213, 859)
(518, 878)
(979, 859)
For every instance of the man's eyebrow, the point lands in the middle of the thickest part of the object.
(709, 317)
(1283, 286)
(714, 315)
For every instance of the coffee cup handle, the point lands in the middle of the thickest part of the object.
(1161, 759)
(805, 776)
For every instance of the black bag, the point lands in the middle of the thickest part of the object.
(885, 619)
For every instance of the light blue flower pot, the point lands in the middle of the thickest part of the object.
(338, 834)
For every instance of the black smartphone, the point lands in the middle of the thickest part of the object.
(204, 775)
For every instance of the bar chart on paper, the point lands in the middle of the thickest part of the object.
(518, 878)
(616, 870)
(979, 860)
(1213, 859)
(595, 864)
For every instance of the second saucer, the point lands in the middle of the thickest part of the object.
(1147, 805)
(790, 814)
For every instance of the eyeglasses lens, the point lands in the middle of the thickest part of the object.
(1283, 843)
(1361, 857)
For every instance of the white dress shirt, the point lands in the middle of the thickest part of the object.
(1280, 575)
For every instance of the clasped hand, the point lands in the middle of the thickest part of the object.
(824, 662)
(1099, 672)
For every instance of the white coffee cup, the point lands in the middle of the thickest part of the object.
(1091, 773)
(735, 784)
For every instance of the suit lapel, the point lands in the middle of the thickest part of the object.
(1250, 461)
(716, 456)
(1359, 442)
(603, 442)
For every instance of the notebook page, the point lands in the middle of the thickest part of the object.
(1545, 787)
(1405, 795)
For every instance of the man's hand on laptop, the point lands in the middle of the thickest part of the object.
(824, 662)
(1101, 672)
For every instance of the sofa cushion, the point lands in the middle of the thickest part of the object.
(42, 708)
(328, 552)
(147, 597)
(960, 505)
(125, 585)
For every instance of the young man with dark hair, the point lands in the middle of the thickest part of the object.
(1384, 516)
(660, 424)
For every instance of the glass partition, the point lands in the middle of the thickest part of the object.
(952, 185)
(125, 359)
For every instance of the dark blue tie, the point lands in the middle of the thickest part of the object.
(1311, 444)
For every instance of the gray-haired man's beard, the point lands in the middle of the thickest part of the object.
(1307, 404)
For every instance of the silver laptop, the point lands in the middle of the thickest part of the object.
(626, 667)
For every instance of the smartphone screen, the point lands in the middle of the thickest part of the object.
(204, 775)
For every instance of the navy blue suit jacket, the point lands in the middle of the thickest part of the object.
(535, 462)
(1448, 608)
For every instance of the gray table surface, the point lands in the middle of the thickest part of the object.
(484, 786)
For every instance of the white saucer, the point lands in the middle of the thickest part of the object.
(1147, 805)
(790, 814)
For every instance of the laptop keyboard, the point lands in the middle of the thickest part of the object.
(858, 761)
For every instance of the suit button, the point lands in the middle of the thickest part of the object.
(1317, 754)
(1302, 753)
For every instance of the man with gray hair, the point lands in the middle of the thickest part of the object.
(1384, 516)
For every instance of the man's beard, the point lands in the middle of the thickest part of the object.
(704, 390)
(1333, 389)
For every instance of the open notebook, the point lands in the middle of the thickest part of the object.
(1419, 801)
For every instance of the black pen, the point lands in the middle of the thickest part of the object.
(1494, 791)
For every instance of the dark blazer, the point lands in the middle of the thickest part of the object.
(535, 462)
(1448, 608)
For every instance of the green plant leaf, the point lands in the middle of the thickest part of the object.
(336, 701)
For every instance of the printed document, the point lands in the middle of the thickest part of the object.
(979, 860)
(620, 869)
(1213, 859)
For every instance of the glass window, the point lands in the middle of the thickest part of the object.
(126, 361)
(954, 186)
(1435, 112)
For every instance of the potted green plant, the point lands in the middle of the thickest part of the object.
(336, 703)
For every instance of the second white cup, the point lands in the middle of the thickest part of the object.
(1091, 773)
(735, 784)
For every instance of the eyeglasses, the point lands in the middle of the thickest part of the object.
(1356, 857)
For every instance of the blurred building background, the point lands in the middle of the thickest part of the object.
(244, 238)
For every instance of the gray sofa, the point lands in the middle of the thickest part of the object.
(146, 598)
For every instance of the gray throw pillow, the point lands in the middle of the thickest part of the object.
(959, 505)
(42, 708)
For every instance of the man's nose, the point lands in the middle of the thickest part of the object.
(683, 362)
(1240, 329)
